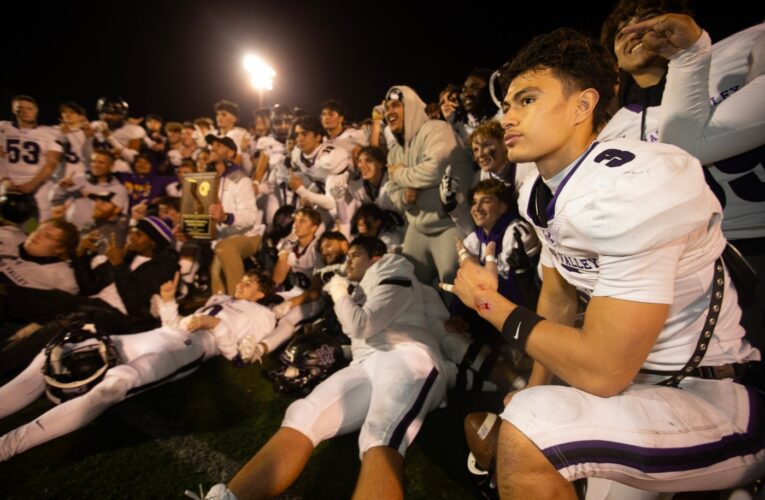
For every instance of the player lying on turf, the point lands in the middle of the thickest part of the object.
(89, 376)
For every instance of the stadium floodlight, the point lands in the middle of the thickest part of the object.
(261, 74)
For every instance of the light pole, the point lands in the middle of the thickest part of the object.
(261, 75)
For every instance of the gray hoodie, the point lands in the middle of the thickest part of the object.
(428, 147)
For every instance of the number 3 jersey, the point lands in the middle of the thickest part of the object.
(26, 150)
(636, 221)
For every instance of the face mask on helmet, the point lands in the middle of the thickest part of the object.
(307, 360)
(75, 361)
(113, 111)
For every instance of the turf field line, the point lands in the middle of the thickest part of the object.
(186, 448)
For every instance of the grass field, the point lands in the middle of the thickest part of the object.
(202, 429)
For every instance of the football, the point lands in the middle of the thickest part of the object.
(481, 433)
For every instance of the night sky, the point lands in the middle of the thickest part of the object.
(178, 58)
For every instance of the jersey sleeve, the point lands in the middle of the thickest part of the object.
(53, 140)
(658, 195)
(645, 277)
(692, 121)
(385, 302)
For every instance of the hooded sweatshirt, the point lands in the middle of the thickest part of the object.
(426, 149)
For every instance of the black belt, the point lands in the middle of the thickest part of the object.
(721, 372)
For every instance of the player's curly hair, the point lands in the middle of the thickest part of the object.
(488, 129)
(578, 60)
(626, 10)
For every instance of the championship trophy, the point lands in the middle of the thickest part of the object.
(199, 192)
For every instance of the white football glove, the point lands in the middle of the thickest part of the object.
(281, 310)
(287, 243)
(448, 190)
(338, 192)
(250, 350)
(337, 288)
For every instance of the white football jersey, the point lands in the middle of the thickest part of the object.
(239, 318)
(477, 248)
(385, 310)
(357, 192)
(303, 262)
(276, 151)
(619, 226)
(239, 136)
(74, 150)
(740, 180)
(123, 135)
(349, 138)
(24, 270)
(26, 150)
(326, 160)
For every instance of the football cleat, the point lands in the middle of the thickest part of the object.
(218, 492)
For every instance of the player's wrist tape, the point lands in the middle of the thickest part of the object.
(463, 254)
(519, 325)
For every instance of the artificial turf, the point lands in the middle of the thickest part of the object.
(202, 429)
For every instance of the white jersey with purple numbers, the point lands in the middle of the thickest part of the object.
(26, 150)
(617, 225)
(738, 181)
(74, 145)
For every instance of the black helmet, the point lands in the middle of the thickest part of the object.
(17, 207)
(112, 106)
(307, 360)
(76, 359)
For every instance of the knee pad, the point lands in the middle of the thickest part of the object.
(301, 416)
(110, 390)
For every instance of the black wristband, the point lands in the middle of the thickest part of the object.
(518, 326)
